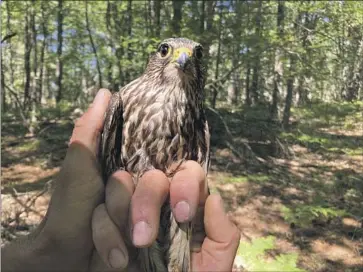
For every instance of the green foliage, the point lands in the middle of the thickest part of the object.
(27, 146)
(315, 119)
(323, 36)
(64, 108)
(254, 253)
(258, 178)
(303, 215)
(238, 179)
(332, 111)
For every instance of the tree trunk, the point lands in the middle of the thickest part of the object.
(353, 83)
(289, 93)
(34, 90)
(202, 18)
(278, 70)
(99, 85)
(254, 85)
(291, 79)
(27, 67)
(50, 94)
(256, 66)
(128, 74)
(232, 92)
(248, 93)
(3, 97)
(216, 75)
(11, 58)
(112, 48)
(42, 55)
(208, 33)
(119, 50)
(302, 92)
(177, 16)
(59, 69)
(157, 9)
(301, 89)
(306, 74)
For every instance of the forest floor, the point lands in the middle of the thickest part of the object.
(302, 213)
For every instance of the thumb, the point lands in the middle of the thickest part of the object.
(220, 245)
(79, 186)
(88, 128)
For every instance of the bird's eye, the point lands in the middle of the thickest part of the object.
(199, 52)
(164, 50)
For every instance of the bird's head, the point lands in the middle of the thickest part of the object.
(178, 59)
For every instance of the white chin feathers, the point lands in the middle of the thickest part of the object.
(173, 72)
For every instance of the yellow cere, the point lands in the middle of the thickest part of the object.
(178, 52)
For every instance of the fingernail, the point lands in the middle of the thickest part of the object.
(141, 234)
(116, 258)
(182, 211)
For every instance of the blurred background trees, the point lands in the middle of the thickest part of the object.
(270, 55)
(284, 101)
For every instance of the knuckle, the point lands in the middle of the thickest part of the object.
(143, 208)
(99, 215)
(193, 165)
(155, 173)
(143, 200)
(155, 182)
(121, 178)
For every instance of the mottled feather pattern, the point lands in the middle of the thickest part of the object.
(153, 122)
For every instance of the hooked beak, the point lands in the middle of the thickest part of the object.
(181, 57)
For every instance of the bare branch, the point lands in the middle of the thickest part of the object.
(8, 37)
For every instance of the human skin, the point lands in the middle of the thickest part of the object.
(93, 227)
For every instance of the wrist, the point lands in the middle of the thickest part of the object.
(19, 255)
(30, 253)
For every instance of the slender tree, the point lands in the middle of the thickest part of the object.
(156, 17)
(42, 64)
(256, 53)
(278, 69)
(177, 16)
(59, 69)
(27, 55)
(218, 60)
(94, 50)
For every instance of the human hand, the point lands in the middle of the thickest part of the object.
(215, 239)
(63, 240)
(66, 238)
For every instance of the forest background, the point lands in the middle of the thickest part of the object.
(284, 102)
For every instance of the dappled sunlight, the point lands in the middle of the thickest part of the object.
(350, 222)
(282, 97)
(311, 202)
(336, 252)
(25, 174)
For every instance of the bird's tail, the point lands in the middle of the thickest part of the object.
(179, 250)
(171, 251)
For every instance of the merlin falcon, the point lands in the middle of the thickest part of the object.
(154, 122)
